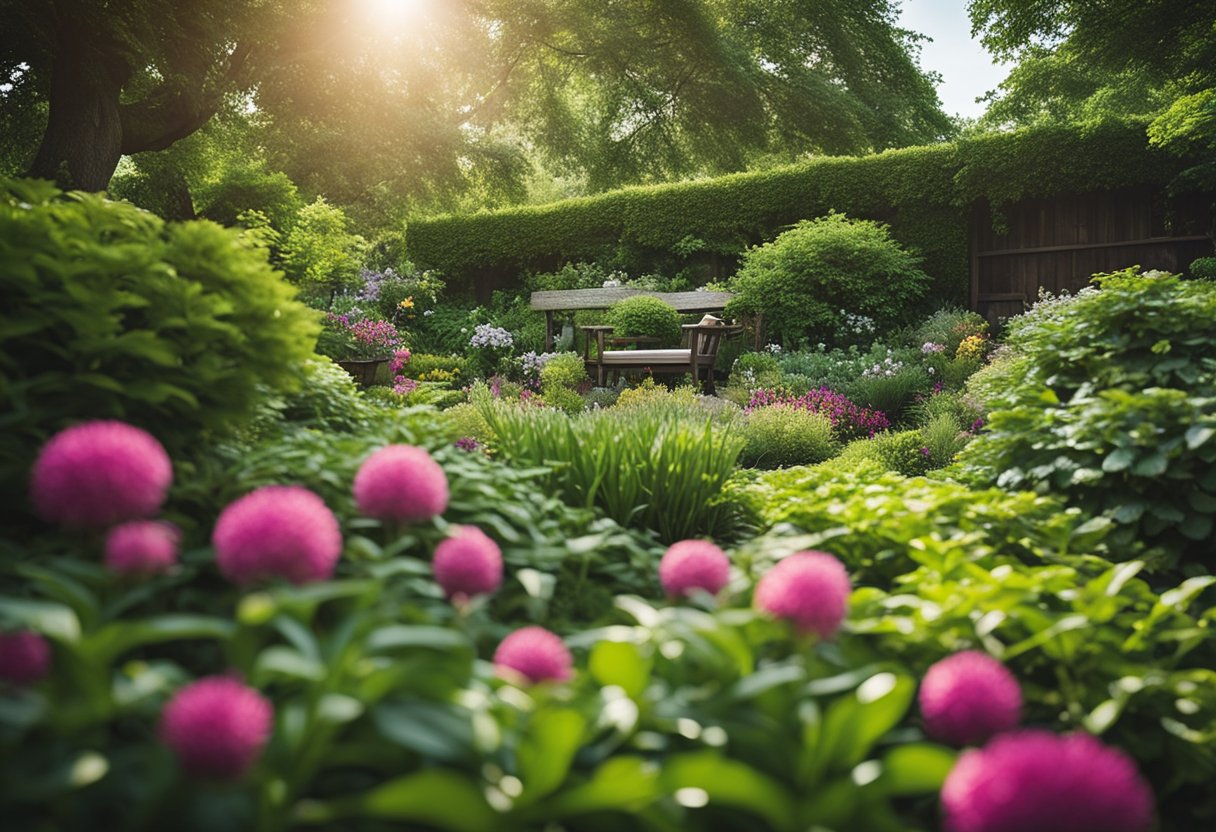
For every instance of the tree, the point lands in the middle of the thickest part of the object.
(363, 108)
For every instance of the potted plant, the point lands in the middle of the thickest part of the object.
(360, 346)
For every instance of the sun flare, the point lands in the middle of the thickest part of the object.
(394, 12)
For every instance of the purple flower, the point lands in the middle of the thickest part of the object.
(25, 657)
(810, 589)
(100, 473)
(977, 425)
(692, 565)
(849, 421)
(1035, 780)
(467, 443)
(282, 531)
(400, 359)
(468, 563)
(968, 697)
(535, 654)
(217, 727)
(142, 547)
(403, 386)
(403, 483)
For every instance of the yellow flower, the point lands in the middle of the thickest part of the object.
(408, 303)
(972, 347)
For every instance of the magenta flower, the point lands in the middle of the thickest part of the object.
(811, 589)
(468, 563)
(849, 420)
(99, 473)
(142, 547)
(401, 482)
(968, 697)
(1035, 780)
(535, 654)
(690, 565)
(217, 727)
(277, 531)
(25, 657)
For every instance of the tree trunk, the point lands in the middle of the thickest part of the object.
(83, 139)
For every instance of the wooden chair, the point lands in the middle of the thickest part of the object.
(698, 358)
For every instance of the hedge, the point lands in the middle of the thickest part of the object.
(924, 193)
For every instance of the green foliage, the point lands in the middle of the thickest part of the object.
(1203, 268)
(647, 316)
(780, 435)
(903, 452)
(1109, 400)
(810, 276)
(250, 188)
(111, 313)
(641, 466)
(948, 327)
(319, 250)
(424, 365)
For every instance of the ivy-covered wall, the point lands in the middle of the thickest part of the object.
(924, 193)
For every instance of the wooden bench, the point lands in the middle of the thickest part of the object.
(570, 300)
(698, 358)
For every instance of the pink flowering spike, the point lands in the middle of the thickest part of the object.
(100, 473)
(217, 727)
(691, 565)
(142, 547)
(401, 482)
(468, 563)
(278, 531)
(810, 589)
(25, 657)
(1035, 780)
(535, 654)
(968, 697)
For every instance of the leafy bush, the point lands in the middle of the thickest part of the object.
(810, 277)
(903, 452)
(834, 369)
(111, 313)
(780, 435)
(560, 378)
(1203, 268)
(250, 187)
(424, 364)
(640, 466)
(1109, 400)
(319, 251)
(948, 327)
(646, 316)
(848, 420)
(891, 385)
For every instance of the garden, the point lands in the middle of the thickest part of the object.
(303, 526)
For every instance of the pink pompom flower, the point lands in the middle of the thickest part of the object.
(142, 547)
(277, 531)
(535, 654)
(25, 657)
(402, 483)
(468, 563)
(809, 588)
(691, 565)
(1036, 780)
(968, 697)
(99, 473)
(217, 727)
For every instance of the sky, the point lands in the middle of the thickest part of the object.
(966, 67)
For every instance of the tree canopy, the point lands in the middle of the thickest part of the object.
(365, 100)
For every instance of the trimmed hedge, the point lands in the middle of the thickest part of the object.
(922, 192)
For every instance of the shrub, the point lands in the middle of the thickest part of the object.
(646, 316)
(891, 384)
(319, 251)
(250, 187)
(780, 435)
(903, 452)
(560, 379)
(848, 420)
(1108, 399)
(948, 327)
(424, 364)
(810, 277)
(111, 313)
(1203, 268)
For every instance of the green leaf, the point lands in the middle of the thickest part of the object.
(437, 730)
(620, 663)
(57, 621)
(546, 751)
(730, 783)
(1153, 465)
(398, 636)
(625, 784)
(1198, 435)
(856, 721)
(1118, 460)
(436, 797)
(917, 768)
(117, 638)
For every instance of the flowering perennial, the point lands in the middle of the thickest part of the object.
(217, 726)
(468, 563)
(1037, 780)
(810, 589)
(968, 697)
(849, 421)
(692, 565)
(25, 657)
(488, 335)
(535, 654)
(277, 531)
(100, 473)
(403, 483)
(142, 547)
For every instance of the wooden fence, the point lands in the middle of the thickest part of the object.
(1058, 242)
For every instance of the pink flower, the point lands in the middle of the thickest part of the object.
(811, 589)
(25, 657)
(1037, 780)
(280, 531)
(142, 547)
(968, 697)
(534, 653)
(691, 565)
(217, 726)
(401, 482)
(468, 563)
(99, 473)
